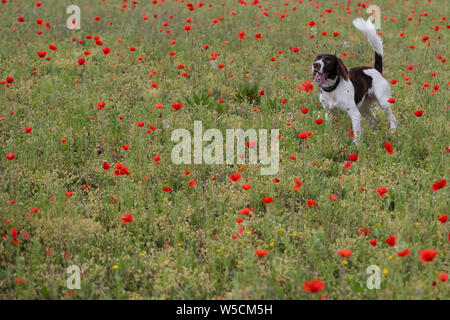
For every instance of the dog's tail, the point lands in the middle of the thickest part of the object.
(368, 29)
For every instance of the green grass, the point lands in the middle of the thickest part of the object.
(132, 261)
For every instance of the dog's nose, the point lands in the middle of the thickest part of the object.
(316, 65)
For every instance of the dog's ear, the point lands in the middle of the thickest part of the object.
(341, 69)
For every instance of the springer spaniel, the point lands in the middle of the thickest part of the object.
(354, 90)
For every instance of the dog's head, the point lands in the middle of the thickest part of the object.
(328, 66)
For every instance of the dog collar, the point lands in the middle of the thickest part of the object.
(331, 88)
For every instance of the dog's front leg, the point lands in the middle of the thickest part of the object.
(355, 115)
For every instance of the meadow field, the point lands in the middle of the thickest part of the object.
(88, 180)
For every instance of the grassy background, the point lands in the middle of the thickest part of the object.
(132, 261)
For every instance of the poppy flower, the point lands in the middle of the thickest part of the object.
(403, 253)
(443, 276)
(192, 183)
(245, 211)
(345, 253)
(19, 281)
(246, 187)
(310, 203)
(235, 176)
(418, 113)
(267, 200)
(391, 241)
(315, 285)
(373, 242)
(10, 156)
(42, 53)
(439, 185)
(382, 191)
(391, 100)
(443, 218)
(127, 218)
(307, 86)
(69, 194)
(353, 157)
(427, 255)
(261, 253)
(333, 197)
(177, 106)
(388, 147)
(106, 165)
(319, 121)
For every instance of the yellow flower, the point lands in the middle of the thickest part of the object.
(248, 233)
(179, 244)
(350, 278)
(230, 208)
(344, 261)
(390, 257)
(115, 267)
(271, 244)
(281, 230)
(238, 266)
(385, 271)
(142, 253)
(165, 198)
(294, 234)
(218, 250)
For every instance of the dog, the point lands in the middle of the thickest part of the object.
(355, 90)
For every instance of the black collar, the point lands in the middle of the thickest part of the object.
(331, 88)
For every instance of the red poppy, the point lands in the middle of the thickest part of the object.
(427, 255)
(267, 200)
(373, 242)
(439, 185)
(10, 156)
(403, 253)
(388, 147)
(353, 157)
(418, 113)
(261, 253)
(235, 176)
(382, 191)
(127, 218)
(443, 218)
(443, 276)
(192, 183)
(315, 285)
(391, 100)
(307, 86)
(106, 165)
(333, 197)
(177, 106)
(391, 241)
(310, 203)
(345, 253)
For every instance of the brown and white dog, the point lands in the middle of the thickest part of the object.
(355, 90)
